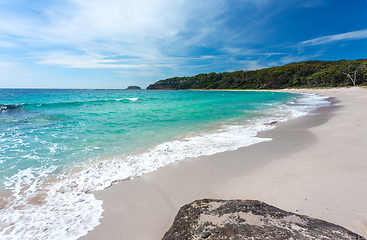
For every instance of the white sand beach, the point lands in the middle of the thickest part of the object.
(315, 165)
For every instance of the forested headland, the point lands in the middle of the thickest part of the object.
(306, 74)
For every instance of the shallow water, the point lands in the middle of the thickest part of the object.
(58, 146)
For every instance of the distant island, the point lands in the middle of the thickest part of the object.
(307, 74)
(133, 88)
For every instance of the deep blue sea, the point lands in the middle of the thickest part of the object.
(59, 146)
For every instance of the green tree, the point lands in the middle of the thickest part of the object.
(353, 69)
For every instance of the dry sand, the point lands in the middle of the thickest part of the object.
(315, 165)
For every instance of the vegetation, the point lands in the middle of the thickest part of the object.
(294, 75)
(133, 88)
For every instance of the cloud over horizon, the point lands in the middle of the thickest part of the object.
(99, 30)
(125, 38)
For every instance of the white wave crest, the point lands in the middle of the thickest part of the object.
(133, 99)
(66, 209)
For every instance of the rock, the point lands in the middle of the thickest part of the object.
(248, 219)
(205, 234)
(133, 88)
(271, 123)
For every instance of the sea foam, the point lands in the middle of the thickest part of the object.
(64, 207)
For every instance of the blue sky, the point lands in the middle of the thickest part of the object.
(117, 43)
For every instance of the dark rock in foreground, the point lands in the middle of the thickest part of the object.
(248, 219)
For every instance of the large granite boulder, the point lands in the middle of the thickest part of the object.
(248, 219)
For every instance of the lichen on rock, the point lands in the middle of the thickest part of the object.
(248, 219)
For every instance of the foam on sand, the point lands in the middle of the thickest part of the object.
(64, 207)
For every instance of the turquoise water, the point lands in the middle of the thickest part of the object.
(63, 144)
(65, 127)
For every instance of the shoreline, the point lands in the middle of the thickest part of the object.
(308, 168)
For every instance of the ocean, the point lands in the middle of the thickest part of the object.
(58, 146)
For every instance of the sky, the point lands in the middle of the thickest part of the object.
(118, 43)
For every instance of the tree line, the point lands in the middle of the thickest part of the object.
(307, 74)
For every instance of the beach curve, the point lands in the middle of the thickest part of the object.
(314, 166)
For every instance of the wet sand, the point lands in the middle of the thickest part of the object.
(315, 165)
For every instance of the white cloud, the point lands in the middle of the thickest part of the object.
(299, 58)
(7, 65)
(93, 60)
(233, 51)
(7, 44)
(355, 35)
(85, 61)
(253, 65)
(93, 30)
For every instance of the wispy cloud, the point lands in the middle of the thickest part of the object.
(253, 65)
(7, 44)
(300, 57)
(164, 38)
(6, 65)
(132, 34)
(355, 35)
(93, 60)
(135, 34)
(87, 61)
(92, 30)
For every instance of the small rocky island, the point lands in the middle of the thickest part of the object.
(133, 88)
(248, 219)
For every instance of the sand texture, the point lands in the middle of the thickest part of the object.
(315, 165)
